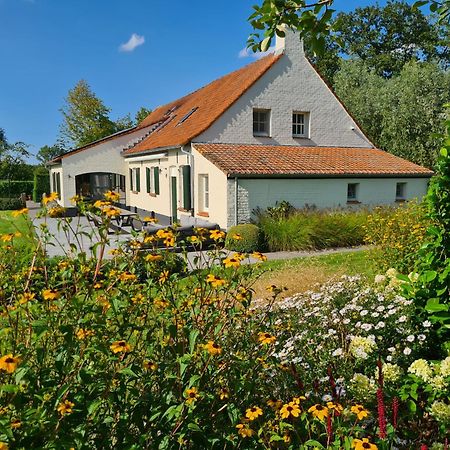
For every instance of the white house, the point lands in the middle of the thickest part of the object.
(270, 131)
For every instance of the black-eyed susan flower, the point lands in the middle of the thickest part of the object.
(47, 198)
(7, 237)
(152, 257)
(363, 444)
(253, 413)
(110, 211)
(337, 407)
(15, 424)
(50, 294)
(274, 404)
(319, 411)
(120, 347)
(236, 237)
(26, 297)
(290, 409)
(299, 399)
(150, 365)
(360, 411)
(101, 204)
(19, 212)
(212, 348)
(216, 235)
(65, 407)
(4, 446)
(83, 334)
(112, 196)
(214, 281)
(164, 276)
(244, 430)
(259, 255)
(191, 395)
(266, 338)
(224, 394)
(149, 219)
(127, 276)
(231, 262)
(9, 363)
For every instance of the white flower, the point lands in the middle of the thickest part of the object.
(380, 308)
(364, 312)
(421, 337)
(379, 279)
(346, 321)
(413, 276)
(402, 319)
(391, 273)
(379, 325)
(410, 338)
(391, 349)
(389, 358)
(327, 398)
(407, 351)
(366, 326)
(427, 324)
(338, 352)
(375, 314)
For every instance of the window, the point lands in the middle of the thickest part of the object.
(400, 191)
(152, 180)
(352, 192)
(261, 122)
(203, 192)
(56, 183)
(300, 124)
(135, 179)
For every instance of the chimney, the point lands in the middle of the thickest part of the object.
(290, 44)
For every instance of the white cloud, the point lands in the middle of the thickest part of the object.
(134, 41)
(247, 53)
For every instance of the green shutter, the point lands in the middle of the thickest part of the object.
(131, 179)
(156, 176)
(58, 184)
(147, 178)
(186, 171)
(138, 179)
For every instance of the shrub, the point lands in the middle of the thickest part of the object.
(10, 189)
(398, 233)
(311, 229)
(244, 238)
(41, 184)
(10, 204)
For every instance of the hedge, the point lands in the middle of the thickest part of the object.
(13, 189)
(7, 204)
(41, 184)
(249, 239)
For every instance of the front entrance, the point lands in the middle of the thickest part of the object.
(174, 199)
(92, 186)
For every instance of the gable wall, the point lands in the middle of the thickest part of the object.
(290, 85)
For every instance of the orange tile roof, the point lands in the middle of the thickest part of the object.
(204, 105)
(280, 160)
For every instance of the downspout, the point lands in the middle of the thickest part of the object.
(236, 201)
(191, 163)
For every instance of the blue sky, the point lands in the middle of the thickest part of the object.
(46, 46)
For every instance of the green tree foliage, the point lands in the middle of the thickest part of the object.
(402, 115)
(85, 117)
(142, 114)
(12, 160)
(47, 153)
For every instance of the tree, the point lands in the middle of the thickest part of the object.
(12, 159)
(47, 153)
(403, 114)
(85, 117)
(142, 114)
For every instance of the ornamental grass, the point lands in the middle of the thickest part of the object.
(126, 353)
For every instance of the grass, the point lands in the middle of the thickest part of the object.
(303, 274)
(10, 224)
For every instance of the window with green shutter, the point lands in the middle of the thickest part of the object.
(186, 174)
(156, 179)
(138, 180)
(131, 179)
(148, 180)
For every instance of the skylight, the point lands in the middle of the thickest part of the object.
(183, 119)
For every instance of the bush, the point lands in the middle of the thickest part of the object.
(41, 184)
(10, 189)
(311, 229)
(245, 238)
(10, 204)
(398, 233)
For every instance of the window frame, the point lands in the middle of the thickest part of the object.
(402, 196)
(353, 198)
(204, 191)
(267, 132)
(305, 124)
(135, 180)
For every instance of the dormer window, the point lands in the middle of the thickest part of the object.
(300, 124)
(261, 122)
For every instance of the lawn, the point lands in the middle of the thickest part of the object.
(302, 274)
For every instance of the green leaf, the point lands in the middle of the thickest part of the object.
(314, 443)
(265, 43)
(193, 335)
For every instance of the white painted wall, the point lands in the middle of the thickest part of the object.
(103, 157)
(323, 193)
(290, 85)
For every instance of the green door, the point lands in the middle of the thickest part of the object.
(174, 198)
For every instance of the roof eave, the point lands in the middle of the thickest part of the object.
(332, 175)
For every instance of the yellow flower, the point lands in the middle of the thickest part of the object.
(319, 411)
(164, 276)
(4, 446)
(50, 198)
(215, 281)
(298, 399)
(16, 423)
(213, 348)
(360, 411)
(56, 211)
(266, 338)
(253, 413)
(160, 303)
(7, 237)
(236, 237)
(150, 257)
(231, 262)
(224, 394)
(110, 211)
(260, 256)
(8, 363)
(65, 407)
(19, 212)
(127, 276)
(101, 204)
(149, 219)
(120, 346)
(76, 199)
(275, 404)
(244, 430)
(216, 235)
(50, 294)
(112, 196)
(290, 409)
(26, 297)
(196, 239)
(150, 365)
(363, 444)
(83, 334)
(191, 395)
(336, 406)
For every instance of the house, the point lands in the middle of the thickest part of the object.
(270, 131)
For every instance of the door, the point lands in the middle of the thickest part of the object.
(174, 198)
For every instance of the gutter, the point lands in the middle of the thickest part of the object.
(326, 176)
